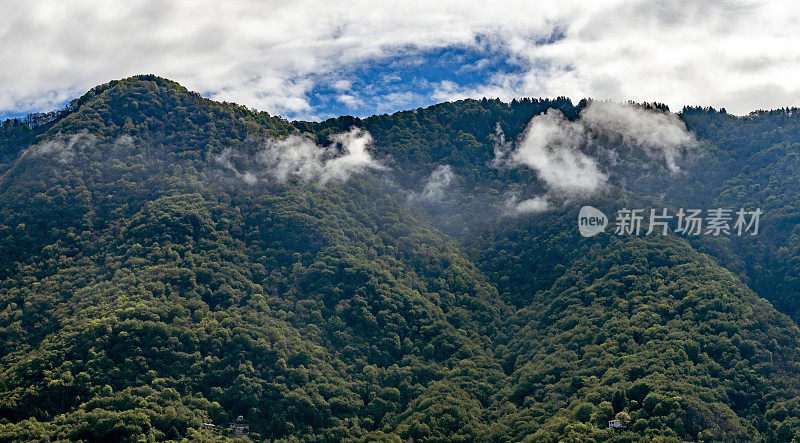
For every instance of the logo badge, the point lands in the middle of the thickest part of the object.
(591, 221)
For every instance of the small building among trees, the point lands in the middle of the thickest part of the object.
(240, 428)
(616, 424)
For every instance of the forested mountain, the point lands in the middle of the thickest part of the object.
(170, 261)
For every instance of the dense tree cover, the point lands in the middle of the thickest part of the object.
(654, 333)
(146, 288)
(760, 164)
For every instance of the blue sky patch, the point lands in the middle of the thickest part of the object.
(403, 79)
(407, 79)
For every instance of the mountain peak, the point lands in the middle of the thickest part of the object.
(158, 108)
(144, 272)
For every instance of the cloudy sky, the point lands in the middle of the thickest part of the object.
(315, 59)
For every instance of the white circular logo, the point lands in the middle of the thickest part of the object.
(591, 221)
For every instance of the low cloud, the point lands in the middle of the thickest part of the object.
(502, 147)
(62, 146)
(437, 184)
(224, 159)
(300, 156)
(660, 134)
(558, 149)
(551, 146)
(535, 205)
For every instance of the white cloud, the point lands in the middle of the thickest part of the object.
(224, 159)
(342, 85)
(741, 55)
(437, 184)
(62, 146)
(660, 134)
(349, 100)
(551, 146)
(533, 205)
(556, 148)
(297, 155)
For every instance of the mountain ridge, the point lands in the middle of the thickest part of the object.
(149, 286)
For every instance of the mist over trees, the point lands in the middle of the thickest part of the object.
(170, 261)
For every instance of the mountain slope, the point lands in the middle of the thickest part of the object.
(158, 275)
(653, 330)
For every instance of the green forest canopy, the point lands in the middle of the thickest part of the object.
(146, 289)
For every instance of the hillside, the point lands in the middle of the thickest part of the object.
(170, 261)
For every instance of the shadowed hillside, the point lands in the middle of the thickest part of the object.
(170, 261)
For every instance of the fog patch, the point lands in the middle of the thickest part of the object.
(535, 205)
(502, 147)
(300, 156)
(436, 184)
(62, 147)
(124, 140)
(566, 154)
(660, 134)
(224, 160)
(551, 146)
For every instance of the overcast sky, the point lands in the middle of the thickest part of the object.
(315, 59)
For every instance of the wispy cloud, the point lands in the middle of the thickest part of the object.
(300, 156)
(660, 134)
(560, 150)
(551, 145)
(224, 159)
(535, 205)
(436, 185)
(62, 147)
